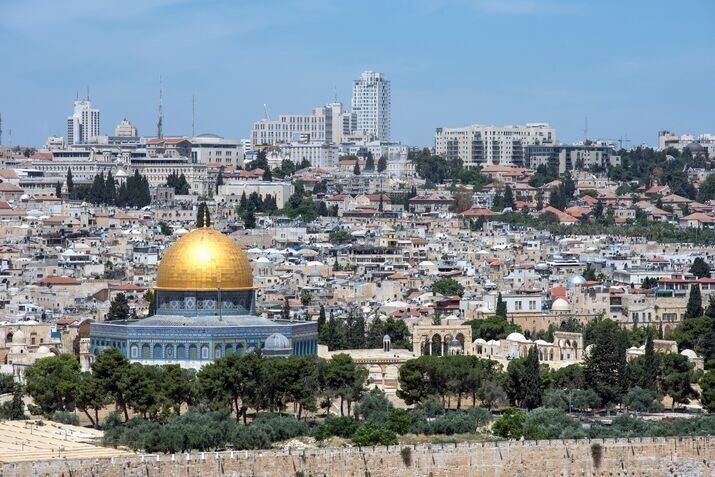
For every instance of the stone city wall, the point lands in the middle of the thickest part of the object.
(687, 456)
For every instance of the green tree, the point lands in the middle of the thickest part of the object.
(694, 308)
(58, 190)
(305, 297)
(91, 396)
(370, 163)
(119, 308)
(267, 175)
(249, 221)
(335, 334)
(69, 182)
(700, 268)
(532, 380)
(707, 385)
(382, 164)
(501, 307)
(650, 364)
(509, 197)
(219, 179)
(356, 168)
(510, 425)
(639, 399)
(109, 368)
(447, 287)
(52, 382)
(110, 190)
(605, 365)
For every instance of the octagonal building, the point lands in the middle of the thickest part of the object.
(205, 309)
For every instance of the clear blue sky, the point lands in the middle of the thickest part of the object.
(632, 66)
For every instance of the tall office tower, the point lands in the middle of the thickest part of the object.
(83, 125)
(371, 104)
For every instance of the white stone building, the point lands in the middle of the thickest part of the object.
(479, 145)
(371, 103)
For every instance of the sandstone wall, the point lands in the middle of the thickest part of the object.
(620, 457)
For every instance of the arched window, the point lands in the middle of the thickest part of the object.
(134, 353)
(193, 352)
(146, 351)
(157, 354)
(169, 352)
(180, 352)
(217, 351)
(204, 352)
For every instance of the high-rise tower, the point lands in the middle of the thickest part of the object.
(83, 125)
(371, 103)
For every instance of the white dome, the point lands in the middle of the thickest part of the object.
(276, 341)
(575, 280)
(541, 342)
(587, 351)
(560, 305)
(480, 341)
(516, 337)
(689, 353)
(43, 350)
(18, 337)
(425, 264)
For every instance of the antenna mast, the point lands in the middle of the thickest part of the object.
(585, 130)
(193, 115)
(160, 123)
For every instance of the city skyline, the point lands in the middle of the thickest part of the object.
(593, 61)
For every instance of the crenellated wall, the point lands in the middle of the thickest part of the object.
(687, 456)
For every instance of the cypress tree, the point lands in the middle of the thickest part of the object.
(69, 181)
(244, 202)
(694, 308)
(58, 190)
(532, 380)
(501, 307)
(110, 190)
(650, 364)
(356, 168)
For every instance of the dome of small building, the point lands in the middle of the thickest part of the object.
(695, 148)
(689, 353)
(276, 341)
(18, 337)
(204, 260)
(560, 305)
(455, 343)
(43, 350)
(386, 338)
(516, 337)
(575, 280)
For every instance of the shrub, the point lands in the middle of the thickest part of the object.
(343, 426)
(406, 454)
(545, 423)
(556, 399)
(65, 417)
(510, 425)
(280, 428)
(398, 421)
(370, 435)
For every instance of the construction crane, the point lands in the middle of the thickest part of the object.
(622, 139)
(265, 109)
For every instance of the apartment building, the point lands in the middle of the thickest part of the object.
(480, 145)
(314, 127)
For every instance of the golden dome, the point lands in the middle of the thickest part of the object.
(204, 260)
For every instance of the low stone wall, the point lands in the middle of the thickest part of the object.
(687, 456)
